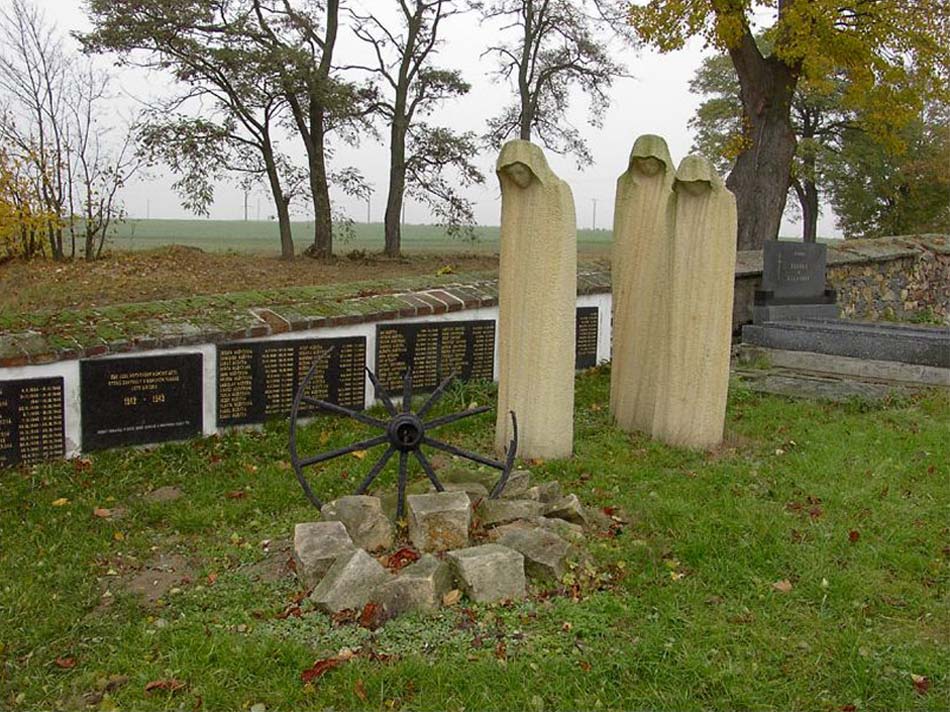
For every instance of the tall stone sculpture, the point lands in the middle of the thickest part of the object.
(640, 263)
(537, 290)
(691, 403)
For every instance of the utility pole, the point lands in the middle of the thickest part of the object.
(368, 199)
(245, 205)
(148, 209)
(593, 222)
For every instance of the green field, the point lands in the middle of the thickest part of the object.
(260, 236)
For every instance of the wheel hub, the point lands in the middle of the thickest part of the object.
(405, 432)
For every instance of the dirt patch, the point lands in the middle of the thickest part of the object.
(163, 494)
(276, 565)
(177, 271)
(159, 575)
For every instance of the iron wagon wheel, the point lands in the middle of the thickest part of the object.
(404, 433)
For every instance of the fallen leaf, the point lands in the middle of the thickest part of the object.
(501, 650)
(212, 577)
(236, 494)
(783, 586)
(66, 663)
(848, 708)
(359, 689)
(61, 502)
(102, 512)
(168, 685)
(401, 558)
(452, 597)
(118, 536)
(371, 616)
(320, 668)
(921, 683)
(853, 536)
(816, 512)
(584, 665)
(359, 454)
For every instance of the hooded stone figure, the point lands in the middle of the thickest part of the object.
(537, 290)
(691, 403)
(639, 266)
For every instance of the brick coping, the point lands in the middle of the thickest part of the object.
(127, 328)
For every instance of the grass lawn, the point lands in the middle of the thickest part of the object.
(846, 507)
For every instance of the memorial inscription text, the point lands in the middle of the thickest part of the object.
(31, 421)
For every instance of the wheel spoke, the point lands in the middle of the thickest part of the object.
(377, 468)
(330, 454)
(446, 419)
(403, 476)
(509, 459)
(407, 391)
(430, 473)
(473, 456)
(436, 395)
(339, 409)
(381, 392)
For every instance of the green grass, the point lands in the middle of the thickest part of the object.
(259, 236)
(694, 622)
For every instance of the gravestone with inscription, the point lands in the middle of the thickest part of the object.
(585, 337)
(793, 283)
(134, 401)
(258, 380)
(31, 421)
(434, 351)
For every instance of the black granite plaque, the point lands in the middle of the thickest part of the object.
(133, 401)
(794, 269)
(258, 380)
(585, 337)
(434, 350)
(31, 421)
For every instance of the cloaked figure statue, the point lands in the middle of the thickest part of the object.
(537, 292)
(691, 391)
(639, 268)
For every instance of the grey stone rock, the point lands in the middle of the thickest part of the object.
(496, 533)
(316, 546)
(418, 587)
(163, 494)
(564, 529)
(363, 517)
(439, 521)
(546, 555)
(546, 492)
(519, 481)
(387, 498)
(569, 509)
(349, 582)
(489, 572)
(493, 512)
(460, 475)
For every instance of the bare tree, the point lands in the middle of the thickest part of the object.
(56, 125)
(420, 155)
(555, 47)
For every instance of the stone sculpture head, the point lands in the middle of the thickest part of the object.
(650, 156)
(696, 176)
(522, 162)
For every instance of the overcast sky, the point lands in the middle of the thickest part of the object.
(656, 99)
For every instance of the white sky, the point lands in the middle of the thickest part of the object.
(656, 100)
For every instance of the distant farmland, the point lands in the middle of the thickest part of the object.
(261, 237)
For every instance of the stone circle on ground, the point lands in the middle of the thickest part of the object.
(452, 542)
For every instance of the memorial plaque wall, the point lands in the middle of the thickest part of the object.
(434, 350)
(258, 380)
(133, 401)
(585, 338)
(31, 421)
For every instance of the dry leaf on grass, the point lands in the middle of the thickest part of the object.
(783, 586)
(168, 685)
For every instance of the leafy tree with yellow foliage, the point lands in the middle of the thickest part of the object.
(23, 223)
(875, 45)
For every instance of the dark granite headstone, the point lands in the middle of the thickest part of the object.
(134, 401)
(794, 270)
(793, 283)
(258, 380)
(585, 337)
(434, 350)
(31, 421)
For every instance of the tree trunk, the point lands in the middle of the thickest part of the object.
(810, 211)
(397, 189)
(760, 178)
(319, 187)
(280, 203)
